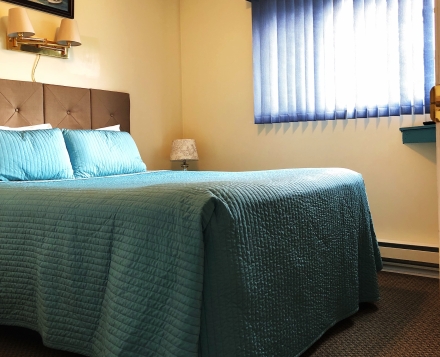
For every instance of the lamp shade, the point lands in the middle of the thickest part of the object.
(18, 22)
(184, 149)
(68, 33)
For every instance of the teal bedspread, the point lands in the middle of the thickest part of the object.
(186, 263)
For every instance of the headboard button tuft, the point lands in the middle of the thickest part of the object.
(16, 109)
(68, 112)
(112, 115)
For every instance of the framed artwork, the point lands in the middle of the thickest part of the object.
(63, 8)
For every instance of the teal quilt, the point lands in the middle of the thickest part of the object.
(186, 263)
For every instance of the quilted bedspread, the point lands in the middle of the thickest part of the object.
(186, 263)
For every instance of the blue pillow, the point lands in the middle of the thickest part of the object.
(34, 155)
(102, 153)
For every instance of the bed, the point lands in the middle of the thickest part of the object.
(172, 263)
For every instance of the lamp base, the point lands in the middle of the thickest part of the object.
(184, 166)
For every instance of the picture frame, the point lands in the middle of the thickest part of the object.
(63, 8)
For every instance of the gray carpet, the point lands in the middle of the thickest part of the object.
(404, 323)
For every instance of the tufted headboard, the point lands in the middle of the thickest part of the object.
(29, 103)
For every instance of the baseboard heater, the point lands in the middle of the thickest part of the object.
(419, 248)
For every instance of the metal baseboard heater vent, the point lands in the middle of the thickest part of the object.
(418, 248)
(401, 259)
(410, 262)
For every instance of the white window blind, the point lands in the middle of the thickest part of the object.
(340, 59)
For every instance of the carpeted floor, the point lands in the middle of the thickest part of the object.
(404, 323)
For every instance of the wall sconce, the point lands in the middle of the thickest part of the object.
(20, 32)
(183, 150)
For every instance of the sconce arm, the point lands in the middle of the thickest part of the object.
(38, 46)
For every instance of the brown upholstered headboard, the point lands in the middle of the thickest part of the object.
(29, 103)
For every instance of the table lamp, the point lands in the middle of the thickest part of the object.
(184, 150)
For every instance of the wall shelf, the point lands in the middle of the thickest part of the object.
(418, 134)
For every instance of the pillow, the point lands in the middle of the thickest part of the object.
(102, 153)
(32, 127)
(113, 128)
(33, 155)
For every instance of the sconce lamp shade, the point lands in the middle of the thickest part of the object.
(68, 33)
(184, 149)
(18, 22)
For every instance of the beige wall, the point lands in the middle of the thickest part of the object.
(217, 111)
(131, 46)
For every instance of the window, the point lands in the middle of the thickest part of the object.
(341, 59)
